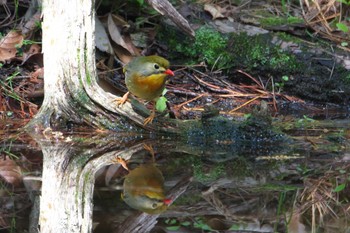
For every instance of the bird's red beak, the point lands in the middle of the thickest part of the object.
(167, 201)
(169, 72)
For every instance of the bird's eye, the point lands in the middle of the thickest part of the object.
(156, 66)
(154, 205)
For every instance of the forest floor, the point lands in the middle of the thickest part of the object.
(294, 57)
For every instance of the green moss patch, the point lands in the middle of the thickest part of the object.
(226, 51)
(280, 21)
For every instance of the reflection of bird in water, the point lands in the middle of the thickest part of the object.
(144, 189)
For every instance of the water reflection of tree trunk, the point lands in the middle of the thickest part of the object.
(66, 203)
(68, 183)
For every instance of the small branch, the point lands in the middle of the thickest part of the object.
(165, 8)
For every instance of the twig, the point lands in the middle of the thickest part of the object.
(249, 76)
(246, 103)
(189, 101)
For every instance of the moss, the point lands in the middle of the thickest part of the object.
(188, 199)
(287, 37)
(242, 167)
(258, 52)
(207, 174)
(230, 51)
(87, 70)
(208, 45)
(279, 21)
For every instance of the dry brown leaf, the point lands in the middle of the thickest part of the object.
(117, 37)
(123, 55)
(295, 225)
(119, 21)
(9, 45)
(33, 55)
(214, 10)
(3, 223)
(10, 171)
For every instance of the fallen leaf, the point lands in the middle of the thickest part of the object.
(102, 40)
(214, 10)
(117, 37)
(9, 45)
(34, 56)
(123, 55)
(4, 223)
(119, 21)
(295, 225)
(38, 73)
(10, 171)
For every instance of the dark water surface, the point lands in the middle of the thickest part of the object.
(297, 186)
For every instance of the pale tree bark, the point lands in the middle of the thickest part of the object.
(71, 91)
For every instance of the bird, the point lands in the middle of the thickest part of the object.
(145, 77)
(143, 189)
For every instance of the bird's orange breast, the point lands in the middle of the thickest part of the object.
(149, 87)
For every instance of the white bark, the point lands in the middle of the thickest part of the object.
(71, 89)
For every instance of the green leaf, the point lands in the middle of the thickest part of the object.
(342, 171)
(342, 27)
(339, 188)
(161, 104)
(285, 78)
(186, 223)
(344, 44)
(173, 228)
(141, 2)
(344, 1)
(308, 118)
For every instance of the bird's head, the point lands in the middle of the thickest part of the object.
(146, 66)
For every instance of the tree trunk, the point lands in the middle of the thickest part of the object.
(71, 90)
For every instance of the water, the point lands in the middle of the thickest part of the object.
(296, 185)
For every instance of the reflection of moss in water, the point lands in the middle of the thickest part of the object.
(205, 173)
(189, 199)
(337, 137)
(240, 167)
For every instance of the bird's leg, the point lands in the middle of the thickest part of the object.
(151, 117)
(149, 148)
(121, 161)
(121, 101)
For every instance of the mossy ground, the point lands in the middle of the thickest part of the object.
(276, 21)
(230, 51)
(308, 75)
